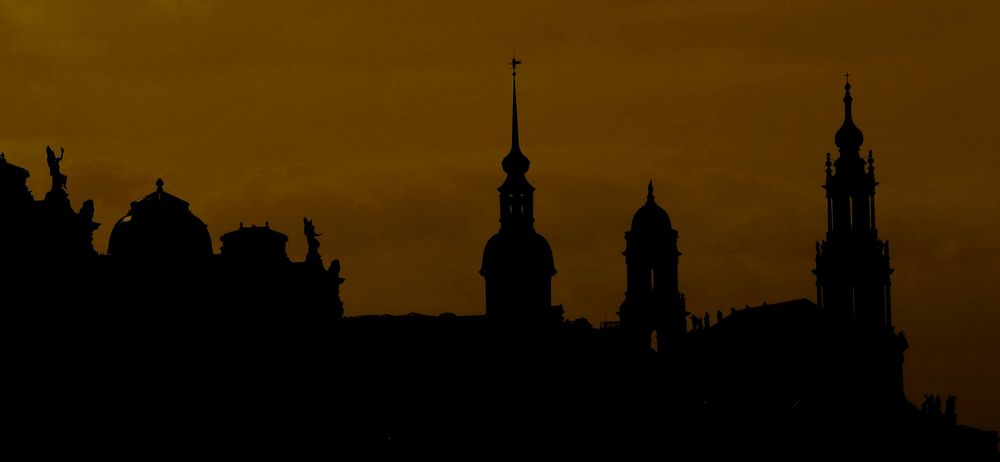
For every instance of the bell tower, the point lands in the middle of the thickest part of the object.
(852, 264)
(517, 261)
(653, 301)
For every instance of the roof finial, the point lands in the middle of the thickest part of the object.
(847, 96)
(649, 191)
(159, 185)
(515, 142)
(849, 138)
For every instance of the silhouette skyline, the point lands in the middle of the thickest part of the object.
(734, 145)
(803, 373)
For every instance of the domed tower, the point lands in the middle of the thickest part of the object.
(517, 262)
(852, 264)
(258, 246)
(653, 301)
(159, 227)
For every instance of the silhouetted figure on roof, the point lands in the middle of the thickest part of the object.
(334, 274)
(932, 406)
(312, 255)
(48, 230)
(87, 211)
(718, 316)
(949, 410)
(58, 179)
(707, 320)
(695, 322)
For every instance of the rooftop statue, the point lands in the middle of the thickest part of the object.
(58, 179)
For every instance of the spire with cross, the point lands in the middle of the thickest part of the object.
(515, 139)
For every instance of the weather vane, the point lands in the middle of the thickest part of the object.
(513, 65)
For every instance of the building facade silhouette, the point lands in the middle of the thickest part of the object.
(247, 345)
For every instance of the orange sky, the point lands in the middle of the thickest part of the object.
(385, 122)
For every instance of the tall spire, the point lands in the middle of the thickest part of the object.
(649, 192)
(847, 96)
(515, 142)
(849, 138)
(515, 162)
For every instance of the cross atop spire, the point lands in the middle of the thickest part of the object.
(513, 65)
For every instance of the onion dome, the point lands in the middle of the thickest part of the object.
(849, 137)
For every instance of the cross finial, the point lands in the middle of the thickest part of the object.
(513, 65)
(847, 77)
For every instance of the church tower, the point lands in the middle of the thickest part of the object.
(653, 301)
(517, 262)
(852, 264)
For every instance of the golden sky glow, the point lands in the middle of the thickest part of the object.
(385, 123)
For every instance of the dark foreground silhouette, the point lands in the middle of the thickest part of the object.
(249, 352)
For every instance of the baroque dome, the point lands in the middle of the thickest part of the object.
(160, 225)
